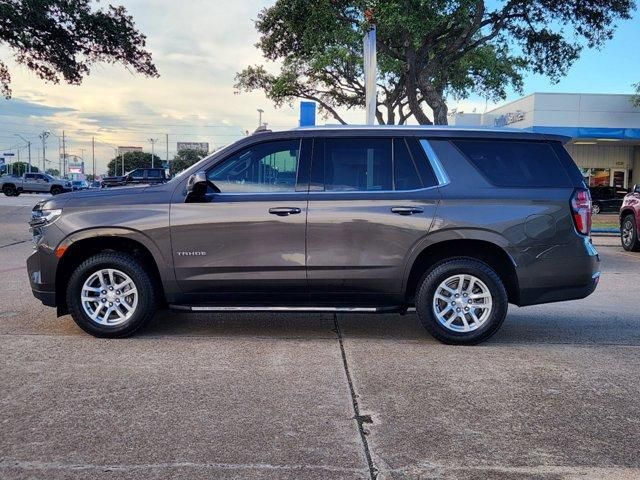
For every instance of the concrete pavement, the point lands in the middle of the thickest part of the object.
(554, 395)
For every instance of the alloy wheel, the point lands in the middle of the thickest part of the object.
(627, 232)
(109, 297)
(462, 303)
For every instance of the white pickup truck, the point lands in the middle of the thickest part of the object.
(33, 183)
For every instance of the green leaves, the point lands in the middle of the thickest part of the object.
(426, 49)
(62, 39)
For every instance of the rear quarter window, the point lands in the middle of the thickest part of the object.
(511, 163)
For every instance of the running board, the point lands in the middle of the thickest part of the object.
(220, 308)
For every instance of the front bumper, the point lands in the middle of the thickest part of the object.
(41, 267)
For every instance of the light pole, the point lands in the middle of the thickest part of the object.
(153, 143)
(44, 135)
(28, 146)
(260, 112)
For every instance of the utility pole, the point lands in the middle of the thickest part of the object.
(64, 156)
(28, 146)
(260, 112)
(167, 138)
(93, 156)
(122, 159)
(44, 135)
(153, 143)
(370, 68)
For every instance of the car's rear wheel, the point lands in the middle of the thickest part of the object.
(9, 190)
(56, 190)
(629, 234)
(461, 301)
(111, 295)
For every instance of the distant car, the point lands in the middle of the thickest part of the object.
(95, 184)
(606, 199)
(137, 176)
(630, 220)
(79, 185)
(33, 183)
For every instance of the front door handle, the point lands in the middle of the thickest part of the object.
(284, 211)
(407, 210)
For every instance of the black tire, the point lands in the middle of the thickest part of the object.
(629, 234)
(596, 208)
(442, 271)
(9, 190)
(56, 190)
(146, 306)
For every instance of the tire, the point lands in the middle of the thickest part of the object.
(595, 209)
(629, 234)
(56, 190)
(485, 282)
(9, 190)
(110, 324)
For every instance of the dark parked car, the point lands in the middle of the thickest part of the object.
(630, 220)
(79, 185)
(607, 199)
(139, 175)
(95, 184)
(456, 223)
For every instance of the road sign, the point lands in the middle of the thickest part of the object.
(9, 154)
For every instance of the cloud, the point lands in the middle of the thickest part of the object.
(23, 108)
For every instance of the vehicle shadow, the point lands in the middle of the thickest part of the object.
(523, 326)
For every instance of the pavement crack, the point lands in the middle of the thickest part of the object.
(359, 418)
(14, 243)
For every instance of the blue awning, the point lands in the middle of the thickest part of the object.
(590, 132)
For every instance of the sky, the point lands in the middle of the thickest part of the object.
(198, 46)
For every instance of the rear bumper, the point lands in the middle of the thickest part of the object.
(559, 279)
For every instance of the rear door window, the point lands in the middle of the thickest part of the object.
(512, 163)
(363, 164)
(154, 174)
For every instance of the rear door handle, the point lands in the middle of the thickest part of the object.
(406, 210)
(284, 211)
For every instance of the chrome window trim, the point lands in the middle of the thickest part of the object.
(436, 165)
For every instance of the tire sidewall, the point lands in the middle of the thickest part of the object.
(56, 190)
(144, 309)
(444, 270)
(634, 245)
(9, 191)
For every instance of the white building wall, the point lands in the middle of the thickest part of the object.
(602, 156)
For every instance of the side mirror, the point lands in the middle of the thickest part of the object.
(197, 185)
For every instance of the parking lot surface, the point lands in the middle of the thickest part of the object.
(554, 395)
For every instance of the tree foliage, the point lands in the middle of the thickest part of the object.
(636, 98)
(20, 168)
(54, 172)
(132, 160)
(62, 39)
(427, 49)
(184, 159)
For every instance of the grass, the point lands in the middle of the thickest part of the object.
(605, 220)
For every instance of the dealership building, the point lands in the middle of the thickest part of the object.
(604, 130)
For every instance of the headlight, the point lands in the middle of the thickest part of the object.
(42, 217)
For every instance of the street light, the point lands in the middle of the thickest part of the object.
(28, 145)
(153, 142)
(43, 136)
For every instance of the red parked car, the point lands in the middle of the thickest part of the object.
(630, 220)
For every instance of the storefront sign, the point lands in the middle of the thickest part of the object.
(509, 118)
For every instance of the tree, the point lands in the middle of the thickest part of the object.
(63, 38)
(427, 50)
(20, 168)
(54, 172)
(184, 159)
(132, 160)
(636, 98)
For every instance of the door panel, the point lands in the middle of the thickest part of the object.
(250, 237)
(362, 228)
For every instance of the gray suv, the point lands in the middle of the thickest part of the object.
(456, 223)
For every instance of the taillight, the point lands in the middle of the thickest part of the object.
(581, 210)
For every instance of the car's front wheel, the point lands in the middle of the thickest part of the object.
(595, 208)
(9, 190)
(461, 301)
(56, 190)
(629, 234)
(111, 295)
